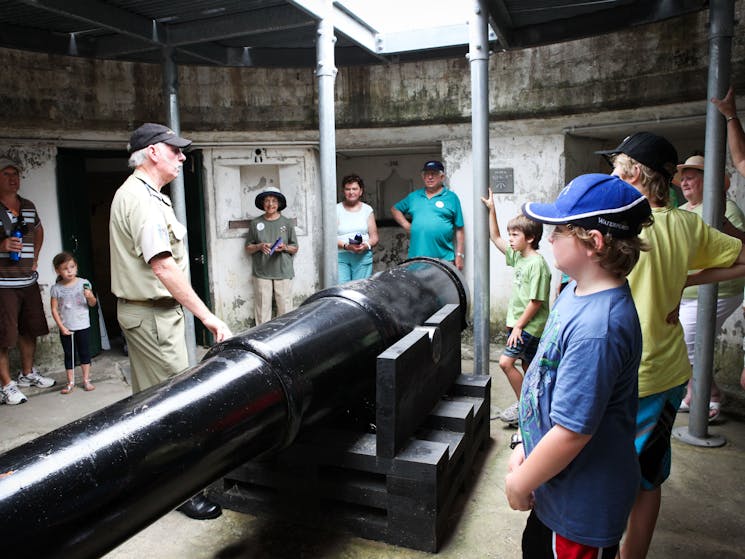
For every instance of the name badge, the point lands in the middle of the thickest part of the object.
(440, 204)
(259, 226)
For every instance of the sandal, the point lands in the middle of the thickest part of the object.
(715, 409)
(69, 388)
(87, 386)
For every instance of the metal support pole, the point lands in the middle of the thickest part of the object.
(170, 95)
(326, 73)
(478, 56)
(721, 22)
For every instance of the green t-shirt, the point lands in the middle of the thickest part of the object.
(726, 288)
(279, 264)
(531, 281)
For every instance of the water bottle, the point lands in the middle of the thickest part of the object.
(16, 256)
(274, 246)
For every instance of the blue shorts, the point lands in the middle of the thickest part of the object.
(524, 350)
(654, 423)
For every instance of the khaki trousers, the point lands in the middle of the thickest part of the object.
(263, 289)
(156, 343)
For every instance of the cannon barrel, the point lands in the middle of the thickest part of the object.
(83, 489)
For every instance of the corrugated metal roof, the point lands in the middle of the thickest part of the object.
(283, 32)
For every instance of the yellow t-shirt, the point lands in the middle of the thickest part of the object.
(680, 241)
(726, 288)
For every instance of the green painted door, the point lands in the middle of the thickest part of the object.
(76, 212)
(196, 226)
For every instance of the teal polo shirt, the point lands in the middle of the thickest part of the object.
(433, 222)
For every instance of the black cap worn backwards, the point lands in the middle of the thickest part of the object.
(648, 149)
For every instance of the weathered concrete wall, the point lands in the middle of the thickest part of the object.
(537, 163)
(236, 176)
(645, 66)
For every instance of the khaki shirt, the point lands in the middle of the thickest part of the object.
(142, 225)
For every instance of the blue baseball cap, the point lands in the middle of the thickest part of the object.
(433, 166)
(596, 201)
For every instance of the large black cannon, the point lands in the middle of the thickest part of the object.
(83, 489)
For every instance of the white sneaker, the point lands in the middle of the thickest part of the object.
(11, 395)
(34, 379)
(509, 414)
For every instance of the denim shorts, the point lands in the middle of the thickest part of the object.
(523, 350)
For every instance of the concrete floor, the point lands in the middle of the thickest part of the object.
(703, 510)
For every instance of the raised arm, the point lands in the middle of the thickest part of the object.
(735, 133)
(494, 235)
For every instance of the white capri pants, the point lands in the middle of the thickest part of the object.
(688, 315)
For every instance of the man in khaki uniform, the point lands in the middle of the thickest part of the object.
(148, 271)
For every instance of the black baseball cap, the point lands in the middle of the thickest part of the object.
(648, 149)
(433, 166)
(151, 133)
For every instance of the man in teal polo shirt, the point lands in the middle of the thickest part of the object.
(432, 216)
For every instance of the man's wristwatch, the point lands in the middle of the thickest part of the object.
(515, 440)
(460, 254)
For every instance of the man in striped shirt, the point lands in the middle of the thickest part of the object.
(22, 317)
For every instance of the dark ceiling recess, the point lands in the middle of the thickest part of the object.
(282, 33)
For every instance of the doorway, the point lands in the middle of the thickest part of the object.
(87, 181)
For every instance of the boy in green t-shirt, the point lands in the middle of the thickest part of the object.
(527, 310)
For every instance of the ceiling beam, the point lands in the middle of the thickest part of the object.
(25, 38)
(359, 32)
(500, 21)
(104, 15)
(274, 19)
(602, 21)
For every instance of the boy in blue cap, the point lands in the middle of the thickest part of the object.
(574, 462)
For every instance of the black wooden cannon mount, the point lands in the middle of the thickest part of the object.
(83, 489)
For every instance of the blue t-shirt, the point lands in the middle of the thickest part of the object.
(584, 378)
(433, 222)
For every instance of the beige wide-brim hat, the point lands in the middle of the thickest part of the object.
(695, 162)
(271, 191)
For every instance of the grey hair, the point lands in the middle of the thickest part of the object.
(138, 158)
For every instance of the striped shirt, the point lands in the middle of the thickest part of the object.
(21, 273)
